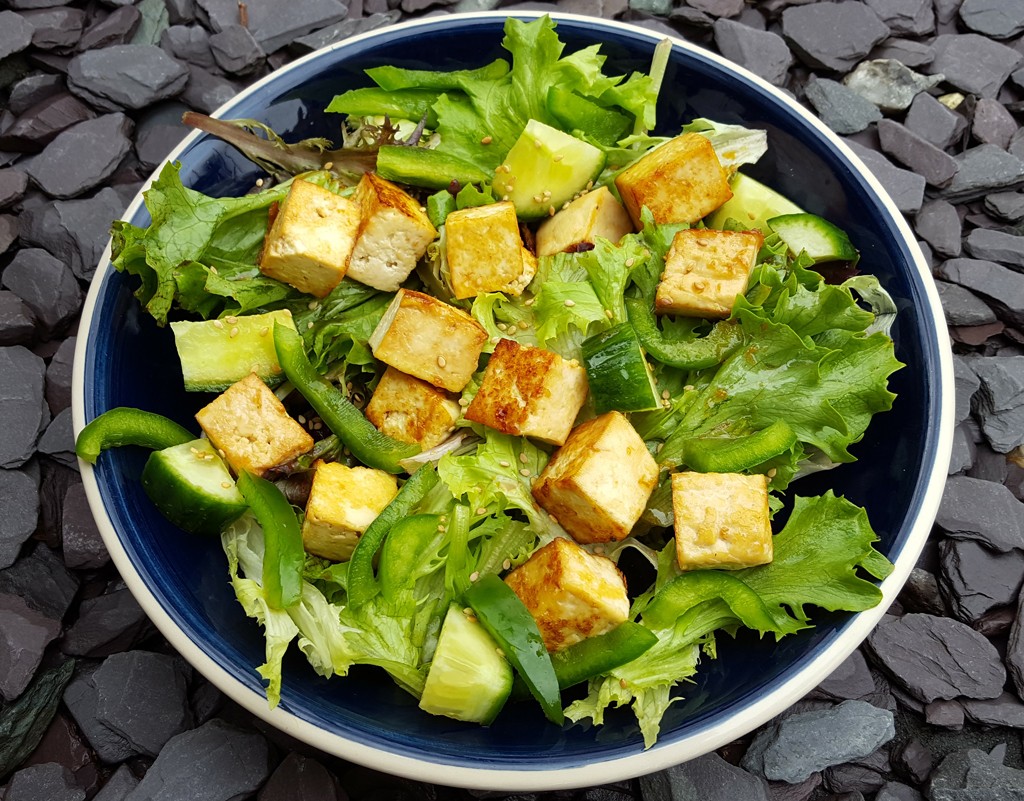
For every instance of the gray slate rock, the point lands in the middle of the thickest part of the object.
(921, 593)
(353, 26)
(1001, 287)
(992, 124)
(299, 777)
(896, 791)
(236, 51)
(915, 760)
(1007, 206)
(840, 108)
(832, 36)
(15, 33)
(762, 52)
(982, 511)
(82, 543)
(57, 27)
(189, 43)
(80, 697)
(17, 323)
(1006, 710)
(963, 307)
(41, 124)
(158, 132)
(784, 791)
(23, 412)
(888, 84)
(851, 680)
(114, 29)
(32, 89)
(19, 511)
(931, 120)
(908, 52)
(42, 581)
(999, 403)
(934, 658)
(971, 774)
(939, 225)
(906, 147)
(13, 184)
(945, 715)
(74, 231)
(914, 17)
(866, 775)
(205, 91)
(180, 12)
(83, 156)
(268, 25)
(1015, 649)
(973, 63)
(50, 781)
(118, 786)
(107, 624)
(126, 76)
(143, 697)
(1008, 249)
(215, 762)
(8, 234)
(977, 580)
(961, 459)
(999, 19)
(48, 288)
(983, 169)
(904, 187)
(58, 441)
(24, 635)
(706, 778)
(58, 376)
(803, 743)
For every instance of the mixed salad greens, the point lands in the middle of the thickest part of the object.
(782, 386)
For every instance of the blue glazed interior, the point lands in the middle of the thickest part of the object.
(130, 362)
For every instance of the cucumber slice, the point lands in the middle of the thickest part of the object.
(215, 354)
(544, 170)
(618, 373)
(752, 204)
(815, 236)
(469, 678)
(191, 486)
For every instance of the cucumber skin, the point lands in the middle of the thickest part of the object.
(617, 372)
(752, 204)
(459, 693)
(165, 483)
(821, 240)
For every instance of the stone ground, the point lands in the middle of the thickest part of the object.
(96, 705)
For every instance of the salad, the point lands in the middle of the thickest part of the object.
(450, 372)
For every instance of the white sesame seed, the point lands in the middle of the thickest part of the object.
(226, 484)
(481, 511)
(608, 313)
(463, 402)
(630, 261)
(328, 165)
(524, 458)
(233, 332)
(570, 302)
(302, 419)
(506, 564)
(231, 320)
(487, 140)
(504, 463)
(772, 473)
(218, 324)
(313, 305)
(309, 325)
(474, 576)
(558, 157)
(259, 182)
(264, 331)
(666, 394)
(441, 361)
(524, 472)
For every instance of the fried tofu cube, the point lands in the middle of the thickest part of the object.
(721, 520)
(393, 235)
(429, 339)
(529, 392)
(598, 483)
(342, 503)
(705, 270)
(309, 244)
(250, 426)
(485, 252)
(571, 593)
(680, 181)
(411, 410)
(592, 215)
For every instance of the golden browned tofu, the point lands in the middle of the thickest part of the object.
(721, 520)
(342, 503)
(429, 339)
(393, 235)
(680, 181)
(250, 427)
(485, 252)
(529, 392)
(311, 239)
(705, 270)
(592, 215)
(598, 483)
(411, 410)
(571, 593)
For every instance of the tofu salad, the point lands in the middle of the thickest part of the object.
(448, 375)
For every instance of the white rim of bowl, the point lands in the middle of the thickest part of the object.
(630, 766)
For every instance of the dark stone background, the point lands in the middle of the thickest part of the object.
(94, 704)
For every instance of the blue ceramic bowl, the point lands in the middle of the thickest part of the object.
(123, 359)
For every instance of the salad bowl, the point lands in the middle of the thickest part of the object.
(181, 580)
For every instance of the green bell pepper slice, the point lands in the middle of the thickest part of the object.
(283, 554)
(126, 426)
(695, 354)
(735, 455)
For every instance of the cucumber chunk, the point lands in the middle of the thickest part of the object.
(191, 486)
(469, 678)
(752, 204)
(215, 354)
(544, 169)
(618, 373)
(815, 236)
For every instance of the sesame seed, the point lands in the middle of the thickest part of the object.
(546, 194)
(553, 519)
(512, 328)
(487, 140)
(502, 327)
(309, 326)
(468, 611)
(218, 324)
(590, 184)
(623, 683)
(530, 301)
(772, 473)
(259, 182)
(423, 209)
(444, 518)
(264, 331)
(570, 302)
(441, 361)
(463, 402)
(474, 576)
(313, 305)
(659, 447)
(481, 511)
(214, 270)
(226, 484)
(524, 472)
(442, 529)
(551, 211)
(506, 564)
(666, 394)
(317, 425)
(538, 199)
(495, 340)
(504, 463)
(524, 458)
(599, 549)
(328, 165)
(688, 388)
(608, 313)
(538, 144)
(231, 320)
(630, 261)
(504, 197)
(220, 452)
(558, 157)
(302, 420)
(233, 332)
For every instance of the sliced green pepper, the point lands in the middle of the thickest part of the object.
(402, 553)
(125, 426)
(362, 583)
(597, 655)
(366, 443)
(510, 623)
(283, 554)
(696, 354)
(735, 455)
